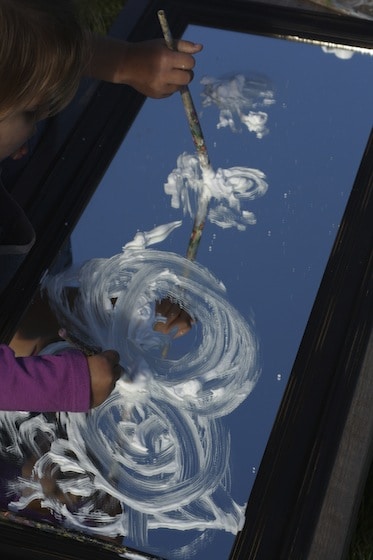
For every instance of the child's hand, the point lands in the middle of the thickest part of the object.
(157, 71)
(176, 318)
(105, 371)
(148, 66)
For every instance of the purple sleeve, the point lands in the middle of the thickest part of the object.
(44, 383)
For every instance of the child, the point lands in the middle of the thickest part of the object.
(44, 51)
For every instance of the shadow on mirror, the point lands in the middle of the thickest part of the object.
(167, 462)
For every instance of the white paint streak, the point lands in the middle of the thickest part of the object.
(156, 453)
(227, 190)
(343, 54)
(157, 446)
(240, 98)
(144, 239)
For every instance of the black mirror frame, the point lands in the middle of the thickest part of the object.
(320, 447)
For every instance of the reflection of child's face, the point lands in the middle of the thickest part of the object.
(15, 130)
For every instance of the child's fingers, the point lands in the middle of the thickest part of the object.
(105, 370)
(170, 312)
(188, 46)
(183, 61)
(162, 307)
(175, 318)
(113, 358)
(183, 323)
(182, 77)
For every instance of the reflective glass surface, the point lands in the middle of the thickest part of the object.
(169, 461)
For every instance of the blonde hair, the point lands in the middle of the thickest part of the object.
(44, 49)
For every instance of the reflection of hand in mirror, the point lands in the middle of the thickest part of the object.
(175, 318)
(171, 317)
(53, 482)
(148, 66)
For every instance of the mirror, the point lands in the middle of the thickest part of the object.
(169, 461)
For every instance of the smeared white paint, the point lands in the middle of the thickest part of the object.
(226, 189)
(240, 98)
(155, 454)
(195, 188)
(343, 54)
(144, 239)
(157, 446)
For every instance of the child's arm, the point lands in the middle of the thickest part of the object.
(148, 66)
(69, 382)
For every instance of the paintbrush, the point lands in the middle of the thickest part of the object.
(199, 142)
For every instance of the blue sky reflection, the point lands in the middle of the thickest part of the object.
(316, 132)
